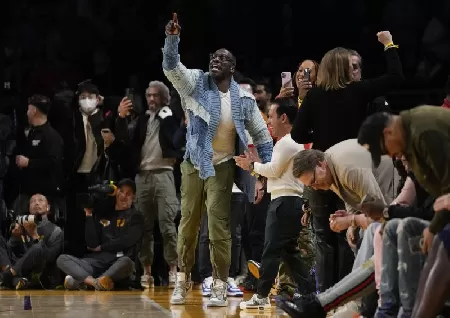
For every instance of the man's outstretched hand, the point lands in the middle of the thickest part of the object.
(173, 28)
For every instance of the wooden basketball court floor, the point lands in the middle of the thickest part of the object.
(152, 302)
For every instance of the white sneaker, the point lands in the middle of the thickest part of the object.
(232, 289)
(172, 279)
(182, 287)
(262, 304)
(239, 279)
(148, 280)
(218, 294)
(346, 311)
(206, 286)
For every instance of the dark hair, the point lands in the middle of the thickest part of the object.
(87, 87)
(248, 81)
(315, 63)
(41, 102)
(306, 161)
(286, 106)
(265, 83)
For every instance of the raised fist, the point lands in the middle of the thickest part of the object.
(384, 37)
(172, 27)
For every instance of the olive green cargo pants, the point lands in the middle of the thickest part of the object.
(212, 196)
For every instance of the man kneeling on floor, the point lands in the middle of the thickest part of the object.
(113, 242)
(283, 223)
(34, 245)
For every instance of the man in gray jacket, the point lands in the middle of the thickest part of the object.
(34, 245)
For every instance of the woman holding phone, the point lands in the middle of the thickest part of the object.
(332, 112)
(305, 78)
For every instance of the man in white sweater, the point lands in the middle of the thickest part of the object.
(283, 223)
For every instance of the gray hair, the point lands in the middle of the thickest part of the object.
(355, 53)
(163, 90)
(306, 161)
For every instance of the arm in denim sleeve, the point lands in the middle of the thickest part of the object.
(257, 128)
(183, 79)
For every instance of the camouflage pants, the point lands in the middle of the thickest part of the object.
(306, 248)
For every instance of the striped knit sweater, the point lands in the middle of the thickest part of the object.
(201, 101)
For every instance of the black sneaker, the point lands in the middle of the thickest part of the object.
(6, 279)
(305, 306)
(249, 283)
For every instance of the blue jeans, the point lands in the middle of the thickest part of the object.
(401, 266)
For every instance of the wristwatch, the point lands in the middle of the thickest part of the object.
(386, 213)
(353, 221)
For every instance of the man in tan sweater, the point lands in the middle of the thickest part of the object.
(347, 170)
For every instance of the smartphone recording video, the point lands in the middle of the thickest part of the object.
(307, 74)
(286, 79)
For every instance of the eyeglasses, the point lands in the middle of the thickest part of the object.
(221, 58)
(355, 66)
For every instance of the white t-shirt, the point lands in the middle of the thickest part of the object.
(250, 144)
(280, 181)
(223, 143)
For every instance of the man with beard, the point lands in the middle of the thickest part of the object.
(263, 95)
(219, 112)
(153, 156)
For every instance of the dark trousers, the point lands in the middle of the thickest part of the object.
(74, 228)
(238, 205)
(334, 257)
(81, 268)
(283, 226)
(253, 229)
(33, 260)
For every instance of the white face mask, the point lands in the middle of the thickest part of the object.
(88, 105)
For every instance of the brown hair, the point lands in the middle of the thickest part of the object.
(334, 72)
(306, 161)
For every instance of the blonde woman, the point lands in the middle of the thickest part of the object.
(332, 112)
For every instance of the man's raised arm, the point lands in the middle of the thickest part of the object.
(183, 79)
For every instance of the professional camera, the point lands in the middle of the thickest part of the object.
(24, 219)
(97, 193)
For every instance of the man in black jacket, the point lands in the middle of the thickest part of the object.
(153, 156)
(32, 248)
(86, 148)
(112, 239)
(39, 156)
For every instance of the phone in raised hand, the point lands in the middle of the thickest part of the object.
(307, 74)
(286, 79)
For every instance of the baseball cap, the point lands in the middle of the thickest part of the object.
(370, 135)
(127, 182)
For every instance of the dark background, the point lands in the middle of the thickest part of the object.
(118, 43)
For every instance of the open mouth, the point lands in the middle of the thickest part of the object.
(215, 67)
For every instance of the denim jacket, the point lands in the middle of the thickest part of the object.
(201, 100)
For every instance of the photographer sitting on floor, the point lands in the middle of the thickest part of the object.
(34, 245)
(113, 241)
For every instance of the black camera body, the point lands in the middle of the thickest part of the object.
(97, 194)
